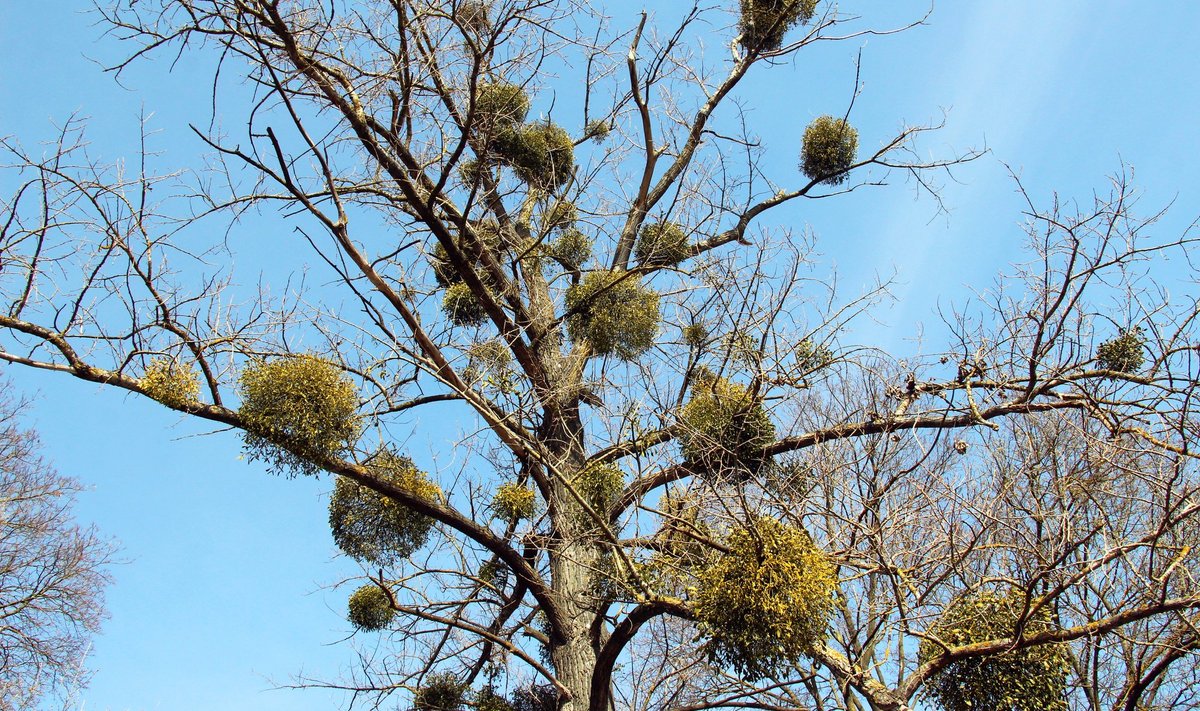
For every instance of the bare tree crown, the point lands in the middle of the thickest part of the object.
(668, 431)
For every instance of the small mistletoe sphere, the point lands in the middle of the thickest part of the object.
(766, 602)
(370, 608)
(695, 335)
(171, 383)
(535, 697)
(614, 312)
(1125, 353)
(472, 16)
(829, 147)
(501, 104)
(599, 484)
(541, 154)
(440, 692)
(486, 699)
(1028, 679)
(661, 244)
(724, 430)
(683, 530)
(298, 410)
(572, 249)
(486, 232)
(765, 22)
(373, 528)
(597, 130)
(462, 305)
(561, 215)
(514, 502)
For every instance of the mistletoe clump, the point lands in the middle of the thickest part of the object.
(812, 356)
(695, 335)
(614, 313)
(535, 697)
(560, 216)
(472, 16)
(1028, 679)
(171, 383)
(599, 484)
(597, 130)
(486, 699)
(661, 244)
(572, 248)
(500, 104)
(489, 363)
(462, 306)
(1125, 353)
(374, 528)
(440, 692)
(514, 502)
(724, 430)
(541, 154)
(683, 531)
(764, 22)
(829, 147)
(299, 411)
(370, 608)
(444, 272)
(767, 601)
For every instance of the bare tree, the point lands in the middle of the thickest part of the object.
(52, 575)
(679, 487)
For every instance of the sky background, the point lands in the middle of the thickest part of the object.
(225, 586)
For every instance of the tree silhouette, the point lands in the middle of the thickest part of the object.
(657, 402)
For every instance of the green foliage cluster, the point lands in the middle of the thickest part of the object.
(535, 697)
(812, 356)
(542, 154)
(440, 692)
(599, 484)
(765, 22)
(611, 579)
(724, 430)
(767, 601)
(462, 306)
(514, 502)
(444, 273)
(298, 411)
(370, 608)
(486, 699)
(470, 171)
(373, 528)
(1029, 679)
(572, 248)
(597, 130)
(1125, 353)
(743, 348)
(560, 215)
(661, 244)
(472, 16)
(171, 383)
(500, 104)
(695, 334)
(493, 572)
(828, 150)
(681, 526)
(490, 363)
(614, 313)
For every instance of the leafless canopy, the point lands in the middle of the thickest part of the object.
(52, 575)
(472, 185)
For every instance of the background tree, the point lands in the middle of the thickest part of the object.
(663, 401)
(52, 574)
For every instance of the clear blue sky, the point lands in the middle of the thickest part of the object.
(224, 589)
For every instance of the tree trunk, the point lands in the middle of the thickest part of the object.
(573, 655)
